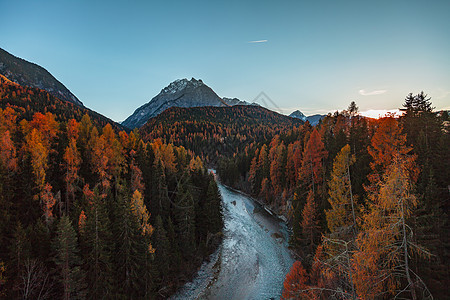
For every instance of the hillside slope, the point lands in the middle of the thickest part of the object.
(32, 75)
(213, 132)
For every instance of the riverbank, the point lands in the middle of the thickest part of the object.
(253, 259)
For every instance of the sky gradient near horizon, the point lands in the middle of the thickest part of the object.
(315, 56)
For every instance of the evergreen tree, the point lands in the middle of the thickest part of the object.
(185, 222)
(97, 249)
(162, 246)
(67, 260)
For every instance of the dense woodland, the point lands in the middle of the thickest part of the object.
(90, 211)
(367, 199)
(215, 132)
(87, 211)
(27, 101)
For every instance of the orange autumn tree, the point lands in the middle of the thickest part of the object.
(39, 158)
(311, 171)
(277, 167)
(8, 159)
(387, 142)
(48, 201)
(382, 262)
(295, 283)
(72, 160)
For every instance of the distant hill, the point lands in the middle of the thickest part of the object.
(314, 119)
(29, 74)
(212, 132)
(298, 114)
(180, 93)
(27, 101)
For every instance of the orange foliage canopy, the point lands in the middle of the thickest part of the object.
(296, 282)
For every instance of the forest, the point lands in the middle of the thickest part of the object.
(89, 211)
(214, 132)
(367, 200)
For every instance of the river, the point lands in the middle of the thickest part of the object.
(253, 259)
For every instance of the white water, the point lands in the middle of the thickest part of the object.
(252, 260)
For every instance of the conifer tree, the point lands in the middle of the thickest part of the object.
(342, 214)
(386, 244)
(162, 246)
(97, 248)
(69, 272)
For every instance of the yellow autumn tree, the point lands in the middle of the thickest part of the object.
(382, 262)
(342, 214)
(140, 211)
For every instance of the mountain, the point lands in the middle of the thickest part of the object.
(314, 119)
(26, 101)
(298, 114)
(214, 132)
(180, 93)
(29, 74)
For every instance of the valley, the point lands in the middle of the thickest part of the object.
(91, 208)
(252, 260)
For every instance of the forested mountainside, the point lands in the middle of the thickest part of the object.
(368, 201)
(32, 75)
(213, 132)
(87, 211)
(26, 101)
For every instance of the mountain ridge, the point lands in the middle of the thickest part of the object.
(29, 74)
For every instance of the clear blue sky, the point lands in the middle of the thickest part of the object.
(318, 55)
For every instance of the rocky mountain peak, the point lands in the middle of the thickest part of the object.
(298, 114)
(181, 84)
(179, 93)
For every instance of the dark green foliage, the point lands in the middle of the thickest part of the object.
(162, 246)
(184, 217)
(97, 249)
(68, 262)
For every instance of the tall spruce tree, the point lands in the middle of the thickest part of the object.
(67, 259)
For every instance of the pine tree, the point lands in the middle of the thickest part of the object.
(66, 247)
(213, 209)
(162, 247)
(97, 249)
(185, 222)
(130, 247)
(310, 223)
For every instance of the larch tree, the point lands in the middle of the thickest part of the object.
(312, 163)
(72, 161)
(387, 142)
(385, 245)
(342, 215)
(296, 282)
